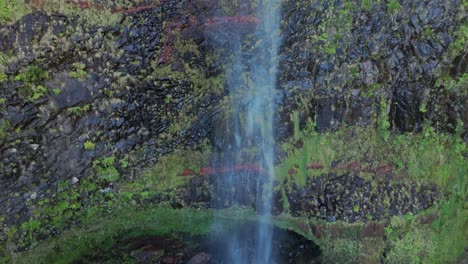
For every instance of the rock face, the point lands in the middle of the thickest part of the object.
(330, 197)
(340, 58)
(73, 94)
(103, 88)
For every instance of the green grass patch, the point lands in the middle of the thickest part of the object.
(95, 238)
(428, 157)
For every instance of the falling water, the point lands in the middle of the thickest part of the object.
(252, 86)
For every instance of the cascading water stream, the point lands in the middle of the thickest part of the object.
(252, 86)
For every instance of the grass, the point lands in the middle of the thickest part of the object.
(442, 241)
(96, 238)
(426, 157)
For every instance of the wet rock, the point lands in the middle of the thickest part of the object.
(200, 258)
(73, 92)
(369, 72)
(148, 254)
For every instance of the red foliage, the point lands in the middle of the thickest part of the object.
(318, 231)
(166, 54)
(314, 166)
(384, 169)
(210, 171)
(187, 172)
(131, 10)
(353, 166)
(292, 171)
(85, 4)
(207, 171)
(239, 20)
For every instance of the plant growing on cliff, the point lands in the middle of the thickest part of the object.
(393, 6)
(79, 110)
(33, 78)
(4, 125)
(106, 170)
(3, 77)
(89, 145)
(384, 124)
(79, 71)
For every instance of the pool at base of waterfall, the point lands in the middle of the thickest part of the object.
(213, 248)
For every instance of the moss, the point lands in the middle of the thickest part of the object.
(427, 157)
(79, 71)
(393, 6)
(33, 74)
(105, 169)
(4, 127)
(89, 145)
(79, 110)
(57, 91)
(33, 78)
(3, 77)
(11, 10)
(441, 240)
(342, 251)
(93, 238)
(98, 236)
(89, 16)
(366, 5)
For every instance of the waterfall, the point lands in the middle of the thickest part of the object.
(252, 87)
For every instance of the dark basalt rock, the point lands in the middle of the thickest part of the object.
(331, 197)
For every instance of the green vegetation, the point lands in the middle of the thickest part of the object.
(98, 238)
(32, 75)
(427, 157)
(79, 71)
(461, 38)
(89, 145)
(164, 175)
(11, 10)
(440, 241)
(367, 5)
(203, 84)
(79, 110)
(57, 91)
(3, 77)
(393, 6)
(4, 126)
(105, 169)
(89, 16)
(33, 78)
